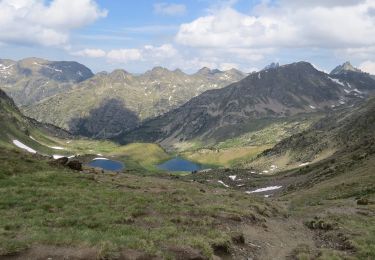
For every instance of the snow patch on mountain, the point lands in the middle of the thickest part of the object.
(23, 146)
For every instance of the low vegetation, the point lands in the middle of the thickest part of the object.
(343, 205)
(224, 157)
(43, 205)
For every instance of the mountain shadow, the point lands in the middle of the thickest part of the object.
(110, 119)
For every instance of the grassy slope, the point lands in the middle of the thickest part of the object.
(256, 137)
(330, 188)
(224, 157)
(330, 192)
(42, 205)
(336, 189)
(14, 126)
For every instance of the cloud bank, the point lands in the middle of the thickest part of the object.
(35, 22)
(146, 53)
(222, 37)
(291, 24)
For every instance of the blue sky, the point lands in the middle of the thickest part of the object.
(138, 35)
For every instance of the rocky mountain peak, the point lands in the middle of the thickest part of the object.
(301, 66)
(119, 71)
(214, 71)
(158, 72)
(235, 72)
(289, 70)
(120, 75)
(273, 65)
(345, 67)
(204, 71)
(159, 69)
(208, 72)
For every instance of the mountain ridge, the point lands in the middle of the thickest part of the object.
(146, 95)
(278, 92)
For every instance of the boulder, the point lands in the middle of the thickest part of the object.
(61, 161)
(75, 165)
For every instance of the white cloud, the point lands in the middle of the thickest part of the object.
(36, 22)
(91, 53)
(188, 59)
(163, 51)
(192, 64)
(164, 55)
(124, 55)
(148, 53)
(368, 66)
(318, 25)
(363, 53)
(329, 3)
(169, 9)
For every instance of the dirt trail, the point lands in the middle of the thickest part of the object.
(278, 239)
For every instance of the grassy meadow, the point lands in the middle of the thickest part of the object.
(44, 205)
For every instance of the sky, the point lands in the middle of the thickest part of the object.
(223, 34)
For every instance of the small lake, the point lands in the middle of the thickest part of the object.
(179, 164)
(107, 165)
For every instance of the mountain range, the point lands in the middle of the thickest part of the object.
(171, 106)
(69, 95)
(275, 92)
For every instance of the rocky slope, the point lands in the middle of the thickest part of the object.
(109, 103)
(30, 80)
(271, 93)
